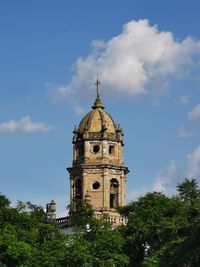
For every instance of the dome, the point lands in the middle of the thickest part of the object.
(97, 125)
(97, 120)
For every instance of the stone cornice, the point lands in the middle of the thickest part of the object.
(98, 166)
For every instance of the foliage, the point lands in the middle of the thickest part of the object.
(187, 251)
(82, 215)
(189, 191)
(94, 243)
(25, 240)
(100, 245)
(153, 221)
(161, 231)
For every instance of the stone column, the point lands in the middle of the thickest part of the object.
(106, 188)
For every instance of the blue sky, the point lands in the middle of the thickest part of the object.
(147, 55)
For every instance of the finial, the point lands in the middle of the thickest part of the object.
(97, 103)
(75, 130)
(97, 83)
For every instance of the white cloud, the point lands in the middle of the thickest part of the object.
(193, 164)
(195, 113)
(140, 60)
(184, 132)
(79, 110)
(25, 125)
(167, 178)
(184, 99)
(192, 127)
(164, 181)
(133, 195)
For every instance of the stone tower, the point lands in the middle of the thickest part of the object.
(98, 174)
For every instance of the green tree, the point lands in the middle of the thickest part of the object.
(188, 191)
(94, 243)
(96, 246)
(161, 232)
(154, 220)
(25, 240)
(164, 231)
(82, 215)
(186, 252)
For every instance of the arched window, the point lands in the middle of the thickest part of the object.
(78, 189)
(114, 188)
(80, 150)
(111, 149)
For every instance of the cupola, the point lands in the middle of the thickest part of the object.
(98, 124)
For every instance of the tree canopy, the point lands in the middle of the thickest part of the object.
(161, 231)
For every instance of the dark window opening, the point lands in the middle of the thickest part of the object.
(112, 201)
(96, 185)
(96, 148)
(111, 149)
(80, 150)
(78, 189)
(114, 186)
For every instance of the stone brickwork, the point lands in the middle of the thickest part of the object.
(98, 174)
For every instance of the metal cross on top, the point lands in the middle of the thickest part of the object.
(97, 83)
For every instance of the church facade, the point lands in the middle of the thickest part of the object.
(98, 173)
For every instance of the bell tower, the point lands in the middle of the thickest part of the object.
(98, 173)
